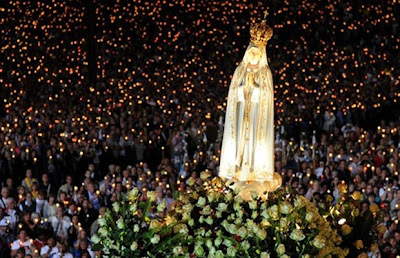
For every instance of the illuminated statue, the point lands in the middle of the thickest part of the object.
(247, 154)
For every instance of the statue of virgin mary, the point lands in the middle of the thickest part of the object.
(247, 153)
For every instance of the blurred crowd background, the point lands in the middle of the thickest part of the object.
(101, 96)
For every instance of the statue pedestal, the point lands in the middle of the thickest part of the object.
(246, 188)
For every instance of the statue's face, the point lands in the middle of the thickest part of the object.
(254, 56)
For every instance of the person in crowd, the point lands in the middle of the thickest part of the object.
(4, 197)
(28, 205)
(60, 223)
(6, 236)
(50, 249)
(23, 242)
(28, 180)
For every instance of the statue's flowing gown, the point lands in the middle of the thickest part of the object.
(248, 141)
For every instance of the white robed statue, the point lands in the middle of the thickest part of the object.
(247, 154)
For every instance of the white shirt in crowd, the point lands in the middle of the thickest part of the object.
(12, 218)
(17, 244)
(60, 226)
(59, 255)
(45, 250)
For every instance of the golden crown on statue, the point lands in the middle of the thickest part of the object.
(260, 33)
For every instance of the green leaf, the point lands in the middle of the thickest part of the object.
(142, 205)
(96, 247)
(149, 234)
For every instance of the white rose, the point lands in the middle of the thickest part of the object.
(201, 202)
(154, 224)
(206, 210)
(238, 220)
(284, 223)
(224, 223)
(219, 254)
(115, 206)
(201, 219)
(218, 242)
(102, 232)
(240, 214)
(133, 207)
(201, 232)
(95, 239)
(249, 223)
(152, 196)
(253, 205)
(161, 206)
(212, 196)
(280, 249)
(132, 194)
(286, 207)
(199, 251)
(265, 214)
(209, 220)
(231, 252)
(222, 207)
(191, 222)
(209, 243)
(186, 216)
(309, 216)
(212, 251)
(134, 246)
(101, 221)
(232, 228)
(184, 230)
(264, 255)
(227, 242)
(237, 206)
(297, 235)
(263, 206)
(136, 228)
(255, 229)
(187, 208)
(177, 250)
(319, 242)
(273, 212)
(242, 232)
(120, 223)
(262, 234)
(238, 199)
(155, 239)
(265, 223)
(245, 245)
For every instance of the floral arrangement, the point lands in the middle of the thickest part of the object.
(356, 226)
(214, 221)
(218, 223)
(129, 229)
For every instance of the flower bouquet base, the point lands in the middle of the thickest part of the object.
(214, 220)
(218, 222)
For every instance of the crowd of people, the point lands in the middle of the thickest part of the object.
(99, 97)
